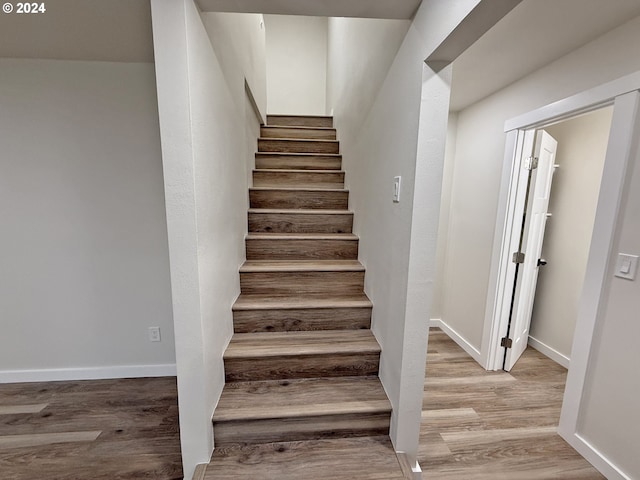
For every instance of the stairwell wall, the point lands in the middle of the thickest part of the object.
(381, 143)
(205, 119)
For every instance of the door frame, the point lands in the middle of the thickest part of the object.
(624, 95)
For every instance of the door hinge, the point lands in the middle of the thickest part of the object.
(506, 342)
(518, 257)
(531, 163)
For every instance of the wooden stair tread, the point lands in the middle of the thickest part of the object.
(262, 302)
(311, 140)
(290, 170)
(287, 115)
(301, 236)
(300, 211)
(300, 154)
(278, 410)
(270, 399)
(301, 266)
(298, 127)
(281, 344)
(299, 189)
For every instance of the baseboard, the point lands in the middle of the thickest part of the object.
(595, 458)
(409, 471)
(456, 337)
(201, 469)
(91, 373)
(435, 323)
(549, 352)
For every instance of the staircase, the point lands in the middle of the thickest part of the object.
(303, 363)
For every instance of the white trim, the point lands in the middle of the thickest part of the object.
(409, 472)
(596, 458)
(571, 106)
(91, 373)
(435, 323)
(201, 470)
(549, 352)
(597, 277)
(416, 471)
(456, 337)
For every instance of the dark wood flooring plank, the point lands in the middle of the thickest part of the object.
(100, 429)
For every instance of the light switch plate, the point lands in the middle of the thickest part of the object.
(626, 266)
(397, 184)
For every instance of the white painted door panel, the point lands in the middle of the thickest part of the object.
(545, 150)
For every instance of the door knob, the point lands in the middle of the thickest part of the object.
(542, 262)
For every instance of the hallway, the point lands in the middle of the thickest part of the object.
(494, 425)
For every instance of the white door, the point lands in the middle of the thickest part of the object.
(533, 236)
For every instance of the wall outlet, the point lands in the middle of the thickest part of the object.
(154, 334)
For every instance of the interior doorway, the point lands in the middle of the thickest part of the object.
(624, 95)
(557, 224)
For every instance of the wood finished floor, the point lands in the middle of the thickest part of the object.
(476, 426)
(80, 430)
(479, 425)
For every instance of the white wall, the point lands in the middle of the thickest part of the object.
(360, 52)
(443, 227)
(380, 143)
(609, 420)
(205, 120)
(238, 40)
(296, 64)
(84, 255)
(478, 165)
(582, 145)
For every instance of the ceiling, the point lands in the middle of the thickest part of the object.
(101, 30)
(532, 35)
(400, 9)
(120, 30)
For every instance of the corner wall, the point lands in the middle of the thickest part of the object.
(609, 423)
(395, 133)
(85, 267)
(205, 125)
(479, 162)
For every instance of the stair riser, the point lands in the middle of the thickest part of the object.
(296, 429)
(298, 162)
(301, 366)
(299, 121)
(300, 223)
(298, 179)
(302, 283)
(299, 199)
(298, 146)
(276, 249)
(287, 320)
(303, 133)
